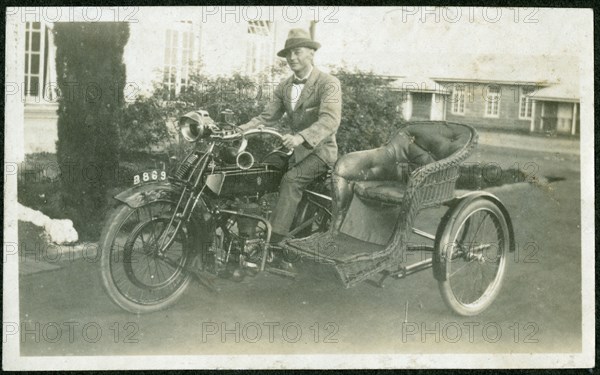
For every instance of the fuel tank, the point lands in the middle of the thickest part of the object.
(234, 182)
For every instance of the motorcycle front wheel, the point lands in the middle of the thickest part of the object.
(144, 257)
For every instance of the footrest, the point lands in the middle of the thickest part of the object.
(341, 248)
(353, 259)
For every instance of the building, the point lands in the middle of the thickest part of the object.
(423, 99)
(555, 109)
(514, 93)
(498, 92)
(492, 104)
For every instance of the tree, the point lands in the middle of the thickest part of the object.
(91, 80)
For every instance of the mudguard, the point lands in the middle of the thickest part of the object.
(455, 205)
(201, 219)
(137, 196)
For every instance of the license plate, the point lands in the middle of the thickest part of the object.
(149, 176)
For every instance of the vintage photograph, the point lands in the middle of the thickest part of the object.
(270, 187)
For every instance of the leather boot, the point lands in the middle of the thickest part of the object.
(342, 195)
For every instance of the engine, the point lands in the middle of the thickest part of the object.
(241, 237)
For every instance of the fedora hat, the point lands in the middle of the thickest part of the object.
(298, 38)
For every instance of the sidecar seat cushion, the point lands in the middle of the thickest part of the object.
(417, 145)
(421, 144)
(383, 191)
(439, 141)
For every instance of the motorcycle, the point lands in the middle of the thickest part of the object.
(209, 215)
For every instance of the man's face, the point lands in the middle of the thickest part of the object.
(300, 59)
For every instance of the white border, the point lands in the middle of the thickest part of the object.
(585, 359)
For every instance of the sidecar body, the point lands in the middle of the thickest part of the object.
(378, 193)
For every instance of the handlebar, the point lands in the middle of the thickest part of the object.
(236, 134)
(264, 130)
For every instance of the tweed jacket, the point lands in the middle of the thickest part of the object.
(316, 116)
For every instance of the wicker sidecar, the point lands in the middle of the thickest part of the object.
(378, 193)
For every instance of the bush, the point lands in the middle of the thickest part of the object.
(369, 110)
(147, 123)
(369, 113)
(143, 124)
(91, 78)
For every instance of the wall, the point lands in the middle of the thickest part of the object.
(13, 113)
(475, 94)
(40, 128)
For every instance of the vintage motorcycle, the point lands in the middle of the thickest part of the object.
(210, 215)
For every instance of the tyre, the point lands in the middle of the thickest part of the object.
(471, 252)
(144, 258)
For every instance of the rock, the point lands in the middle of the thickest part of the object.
(61, 231)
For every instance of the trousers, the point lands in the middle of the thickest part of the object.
(293, 183)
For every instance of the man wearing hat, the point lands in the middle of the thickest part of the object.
(312, 101)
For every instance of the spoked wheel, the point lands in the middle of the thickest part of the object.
(472, 252)
(144, 257)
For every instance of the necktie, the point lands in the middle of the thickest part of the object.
(300, 81)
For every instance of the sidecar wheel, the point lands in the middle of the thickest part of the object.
(135, 274)
(471, 255)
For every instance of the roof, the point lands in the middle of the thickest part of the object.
(562, 92)
(419, 84)
(538, 70)
(541, 70)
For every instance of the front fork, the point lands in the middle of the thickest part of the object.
(191, 202)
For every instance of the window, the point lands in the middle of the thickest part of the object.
(39, 60)
(525, 105)
(492, 101)
(179, 52)
(259, 52)
(458, 100)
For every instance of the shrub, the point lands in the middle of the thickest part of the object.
(91, 78)
(369, 113)
(143, 124)
(369, 110)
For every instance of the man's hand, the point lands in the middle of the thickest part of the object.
(292, 141)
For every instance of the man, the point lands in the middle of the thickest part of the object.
(313, 102)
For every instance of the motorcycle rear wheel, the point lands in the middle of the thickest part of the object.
(136, 274)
